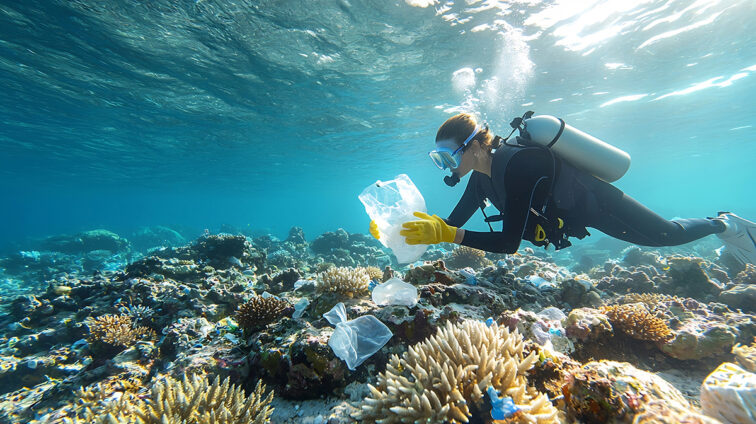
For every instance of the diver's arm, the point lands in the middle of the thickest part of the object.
(525, 170)
(466, 206)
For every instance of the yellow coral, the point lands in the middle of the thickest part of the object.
(636, 321)
(350, 282)
(437, 380)
(260, 311)
(117, 331)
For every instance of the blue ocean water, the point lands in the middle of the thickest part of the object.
(271, 114)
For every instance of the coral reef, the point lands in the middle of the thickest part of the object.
(443, 379)
(87, 241)
(261, 311)
(207, 300)
(348, 282)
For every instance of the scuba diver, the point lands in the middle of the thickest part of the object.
(546, 192)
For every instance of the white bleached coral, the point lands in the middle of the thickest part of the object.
(440, 379)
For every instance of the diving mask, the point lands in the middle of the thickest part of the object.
(448, 157)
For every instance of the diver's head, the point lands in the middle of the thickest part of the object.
(461, 144)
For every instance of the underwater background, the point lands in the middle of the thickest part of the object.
(273, 114)
(181, 237)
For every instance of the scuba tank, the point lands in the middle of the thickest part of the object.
(582, 150)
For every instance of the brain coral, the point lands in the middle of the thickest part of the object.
(350, 282)
(440, 379)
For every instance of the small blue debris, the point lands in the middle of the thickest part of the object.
(501, 408)
(489, 321)
(372, 284)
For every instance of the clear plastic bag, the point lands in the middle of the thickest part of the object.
(390, 204)
(355, 340)
(395, 292)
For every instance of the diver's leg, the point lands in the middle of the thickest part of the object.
(623, 217)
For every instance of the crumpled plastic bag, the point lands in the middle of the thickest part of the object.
(355, 340)
(395, 292)
(390, 204)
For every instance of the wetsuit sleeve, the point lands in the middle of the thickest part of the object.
(525, 170)
(466, 206)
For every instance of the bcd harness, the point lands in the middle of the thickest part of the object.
(542, 225)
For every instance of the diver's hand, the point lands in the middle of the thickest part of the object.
(374, 230)
(428, 230)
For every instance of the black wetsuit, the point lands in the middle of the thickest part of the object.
(521, 179)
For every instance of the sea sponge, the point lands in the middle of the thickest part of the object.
(441, 378)
(116, 332)
(464, 256)
(746, 355)
(636, 321)
(349, 282)
(190, 400)
(261, 311)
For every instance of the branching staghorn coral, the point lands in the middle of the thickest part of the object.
(116, 331)
(261, 311)
(436, 381)
(190, 400)
(350, 282)
(464, 256)
(194, 400)
(636, 321)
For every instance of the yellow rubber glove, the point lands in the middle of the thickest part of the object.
(374, 230)
(428, 230)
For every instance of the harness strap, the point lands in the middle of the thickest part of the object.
(559, 133)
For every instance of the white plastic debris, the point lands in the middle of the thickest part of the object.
(355, 340)
(395, 292)
(301, 283)
(390, 204)
(469, 275)
(300, 308)
(540, 283)
(552, 313)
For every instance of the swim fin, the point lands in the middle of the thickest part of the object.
(739, 237)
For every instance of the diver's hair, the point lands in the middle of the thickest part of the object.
(459, 127)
